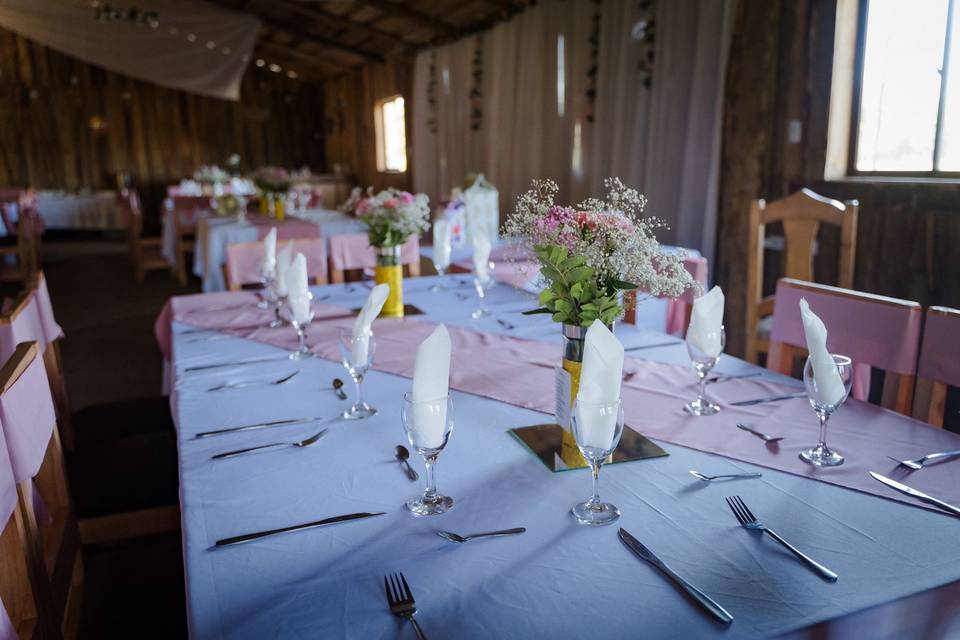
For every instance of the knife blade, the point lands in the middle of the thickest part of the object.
(705, 601)
(262, 425)
(786, 396)
(919, 495)
(235, 364)
(653, 346)
(247, 537)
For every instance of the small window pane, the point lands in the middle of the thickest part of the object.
(391, 136)
(950, 136)
(900, 92)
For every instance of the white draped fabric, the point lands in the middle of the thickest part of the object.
(192, 45)
(665, 140)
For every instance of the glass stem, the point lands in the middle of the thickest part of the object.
(595, 469)
(703, 389)
(302, 338)
(431, 491)
(822, 415)
(358, 383)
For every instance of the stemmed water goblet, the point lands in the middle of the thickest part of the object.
(303, 349)
(703, 363)
(483, 288)
(356, 354)
(268, 294)
(821, 455)
(428, 425)
(441, 261)
(597, 428)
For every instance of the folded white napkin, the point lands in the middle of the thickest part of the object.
(706, 321)
(269, 263)
(298, 292)
(441, 243)
(600, 377)
(481, 257)
(361, 326)
(830, 388)
(284, 260)
(431, 381)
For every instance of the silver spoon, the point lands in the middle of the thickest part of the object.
(303, 443)
(509, 326)
(706, 478)
(338, 388)
(403, 456)
(455, 537)
(241, 385)
(762, 436)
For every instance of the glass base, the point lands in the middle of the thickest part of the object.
(480, 313)
(437, 288)
(821, 456)
(300, 355)
(701, 407)
(359, 412)
(423, 506)
(595, 513)
(263, 304)
(276, 323)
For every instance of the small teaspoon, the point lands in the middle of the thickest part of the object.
(403, 455)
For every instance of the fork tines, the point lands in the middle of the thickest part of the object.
(740, 510)
(397, 590)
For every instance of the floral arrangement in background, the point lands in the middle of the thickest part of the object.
(392, 216)
(272, 179)
(211, 174)
(590, 253)
(349, 206)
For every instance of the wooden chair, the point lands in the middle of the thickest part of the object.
(874, 331)
(23, 245)
(146, 253)
(183, 211)
(29, 428)
(801, 215)
(243, 261)
(939, 365)
(352, 252)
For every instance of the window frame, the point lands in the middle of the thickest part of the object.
(380, 133)
(860, 54)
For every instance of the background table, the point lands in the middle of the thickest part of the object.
(96, 210)
(557, 580)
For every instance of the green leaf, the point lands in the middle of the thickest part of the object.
(570, 263)
(559, 317)
(576, 291)
(563, 305)
(551, 274)
(546, 296)
(533, 312)
(622, 285)
(579, 274)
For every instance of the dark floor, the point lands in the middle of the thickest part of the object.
(132, 589)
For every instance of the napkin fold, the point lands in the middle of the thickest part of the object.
(830, 388)
(481, 257)
(298, 294)
(268, 264)
(600, 376)
(706, 323)
(431, 381)
(441, 243)
(284, 260)
(361, 326)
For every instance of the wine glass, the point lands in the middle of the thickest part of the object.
(428, 425)
(702, 364)
(597, 429)
(268, 294)
(279, 301)
(441, 257)
(303, 349)
(824, 402)
(483, 288)
(356, 354)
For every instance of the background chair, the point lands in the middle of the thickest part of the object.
(145, 253)
(184, 210)
(874, 331)
(352, 252)
(22, 242)
(243, 261)
(939, 365)
(801, 215)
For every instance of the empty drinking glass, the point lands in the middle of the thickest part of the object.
(428, 426)
(483, 288)
(597, 429)
(357, 357)
(702, 364)
(268, 294)
(441, 252)
(303, 349)
(824, 402)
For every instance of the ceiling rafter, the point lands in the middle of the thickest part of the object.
(309, 36)
(268, 49)
(398, 10)
(321, 15)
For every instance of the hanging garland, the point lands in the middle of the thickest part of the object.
(594, 42)
(644, 31)
(476, 103)
(432, 94)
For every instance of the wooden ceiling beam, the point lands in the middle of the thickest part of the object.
(398, 10)
(340, 22)
(306, 34)
(269, 49)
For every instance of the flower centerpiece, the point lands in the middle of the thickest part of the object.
(392, 217)
(274, 183)
(211, 179)
(589, 256)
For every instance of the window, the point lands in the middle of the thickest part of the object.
(391, 135)
(906, 111)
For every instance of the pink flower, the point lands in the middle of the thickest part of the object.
(391, 203)
(362, 206)
(406, 198)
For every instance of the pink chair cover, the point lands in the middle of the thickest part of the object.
(940, 354)
(872, 330)
(25, 326)
(677, 307)
(287, 229)
(243, 260)
(51, 330)
(353, 251)
(28, 418)
(8, 502)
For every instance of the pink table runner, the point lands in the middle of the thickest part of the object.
(520, 372)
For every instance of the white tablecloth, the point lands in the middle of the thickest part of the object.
(79, 211)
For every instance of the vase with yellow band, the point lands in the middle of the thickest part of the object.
(573, 340)
(389, 271)
(279, 205)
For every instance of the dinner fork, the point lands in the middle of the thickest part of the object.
(749, 521)
(241, 385)
(401, 601)
(706, 478)
(456, 537)
(303, 443)
(917, 463)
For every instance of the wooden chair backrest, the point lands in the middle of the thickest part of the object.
(939, 364)
(237, 269)
(350, 252)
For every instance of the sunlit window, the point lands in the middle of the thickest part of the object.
(561, 76)
(391, 135)
(908, 121)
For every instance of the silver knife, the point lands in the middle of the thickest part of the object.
(235, 364)
(247, 537)
(919, 495)
(262, 425)
(654, 346)
(703, 599)
(787, 396)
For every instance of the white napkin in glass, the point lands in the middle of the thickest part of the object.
(481, 258)
(706, 322)
(441, 243)
(298, 294)
(431, 381)
(269, 263)
(830, 388)
(600, 376)
(361, 326)
(284, 260)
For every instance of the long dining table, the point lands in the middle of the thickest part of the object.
(559, 579)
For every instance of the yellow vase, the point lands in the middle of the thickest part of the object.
(390, 271)
(279, 207)
(573, 337)
(264, 204)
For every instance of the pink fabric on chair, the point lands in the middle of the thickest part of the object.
(8, 502)
(677, 307)
(288, 229)
(51, 330)
(243, 260)
(28, 419)
(874, 331)
(940, 353)
(353, 251)
(25, 326)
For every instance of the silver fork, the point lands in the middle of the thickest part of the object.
(456, 537)
(749, 521)
(303, 443)
(241, 385)
(917, 463)
(762, 436)
(401, 601)
(706, 478)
